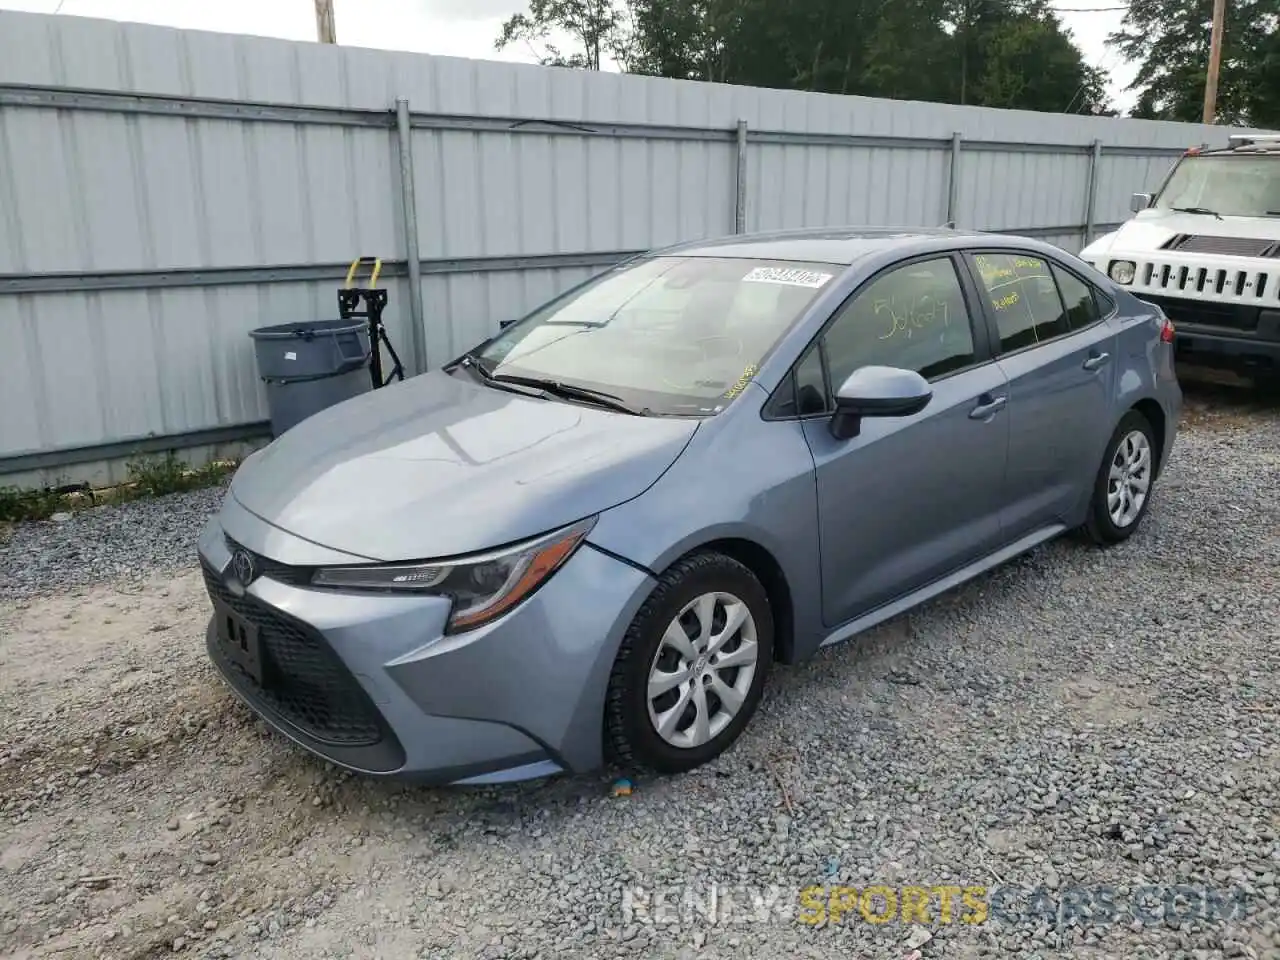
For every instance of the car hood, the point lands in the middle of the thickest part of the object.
(439, 465)
(1149, 230)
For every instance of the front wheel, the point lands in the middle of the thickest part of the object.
(1123, 488)
(692, 666)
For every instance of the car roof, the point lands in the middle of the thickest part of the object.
(834, 245)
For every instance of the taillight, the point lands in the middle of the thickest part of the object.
(1166, 331)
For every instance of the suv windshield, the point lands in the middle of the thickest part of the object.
(1230, 186)
(668, 335)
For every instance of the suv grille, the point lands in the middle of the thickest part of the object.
(304, 682)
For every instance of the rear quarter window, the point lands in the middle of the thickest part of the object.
(1079, 298)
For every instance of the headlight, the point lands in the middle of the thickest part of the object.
(1121, 271)
(482, 587)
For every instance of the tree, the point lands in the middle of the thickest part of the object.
(1169, 39)
(1016, 54)
(1007, 53)
(593, 24)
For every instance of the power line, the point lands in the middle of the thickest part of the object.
(1089, 9)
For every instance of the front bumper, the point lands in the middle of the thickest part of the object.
(1223, 334)
(371, 682)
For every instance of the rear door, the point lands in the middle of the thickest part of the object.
(1059, 354)
(911, 498)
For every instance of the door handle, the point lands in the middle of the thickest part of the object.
(989, 407)
(1097, 360)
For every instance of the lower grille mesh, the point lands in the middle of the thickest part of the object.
(304, 682)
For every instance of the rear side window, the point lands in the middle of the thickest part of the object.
(1082, 308)
(1021, 288)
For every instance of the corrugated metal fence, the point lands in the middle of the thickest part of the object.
(163, 192)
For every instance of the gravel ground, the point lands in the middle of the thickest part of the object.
(1074, 734)
(131, 541)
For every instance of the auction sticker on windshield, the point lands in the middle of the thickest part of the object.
(791, 276)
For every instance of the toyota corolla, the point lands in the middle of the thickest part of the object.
(589, 538)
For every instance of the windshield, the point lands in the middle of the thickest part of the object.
(1230, 186)
(671, 335)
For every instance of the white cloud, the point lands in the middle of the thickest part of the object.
(459, 28)
(1090, 30)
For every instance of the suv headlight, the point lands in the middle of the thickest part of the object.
(1122, 271)
(482, 587)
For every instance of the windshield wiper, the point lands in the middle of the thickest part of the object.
(571, 391)
(472, 362)
(1203, 210)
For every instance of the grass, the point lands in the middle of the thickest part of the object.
(148, 477)
(18, 505)
(157, 476)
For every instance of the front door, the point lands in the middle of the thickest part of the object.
(1059, 355)
(911, 498)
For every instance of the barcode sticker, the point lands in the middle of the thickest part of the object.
(789, 275)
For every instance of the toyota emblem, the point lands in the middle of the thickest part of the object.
(242, 566)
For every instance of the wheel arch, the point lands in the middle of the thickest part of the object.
(1155, 415)
(766, 568)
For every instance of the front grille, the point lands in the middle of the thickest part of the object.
(1223, 246)
(303, 682)
(274, 569)
(1213, 295)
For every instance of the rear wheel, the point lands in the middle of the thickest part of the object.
(1123, 488)
(692, 666)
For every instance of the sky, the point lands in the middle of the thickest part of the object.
(467, 28)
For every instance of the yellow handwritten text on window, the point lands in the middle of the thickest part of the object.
(992, 271)
(903, 316)
(742, 382)
(1007, 301)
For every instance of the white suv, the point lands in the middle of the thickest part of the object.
(1206, 249)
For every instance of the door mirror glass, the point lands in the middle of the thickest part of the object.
(877, 391)
(1139, 201)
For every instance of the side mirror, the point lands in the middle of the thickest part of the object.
(878, 392)
(1139, 201)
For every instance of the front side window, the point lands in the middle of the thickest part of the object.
(913, 317)
(673, 335)
(1024, 296)
(1228, 186)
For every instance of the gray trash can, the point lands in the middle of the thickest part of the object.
(311, 365)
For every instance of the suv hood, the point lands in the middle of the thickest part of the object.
(1149, 230)
(438, 466)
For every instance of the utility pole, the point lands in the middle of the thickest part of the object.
(326, 32)
(1215, 62)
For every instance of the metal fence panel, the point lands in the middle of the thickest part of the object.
(163, 192)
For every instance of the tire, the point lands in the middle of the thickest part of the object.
(1103, 526)
(632, 737)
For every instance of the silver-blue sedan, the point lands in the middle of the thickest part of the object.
(589, 538)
